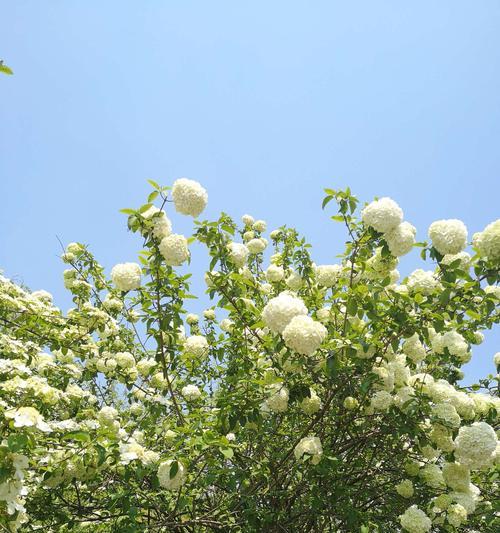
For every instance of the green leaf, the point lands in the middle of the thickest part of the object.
(228, 453)
(326, 201)
(174, 468)
(152, 196)
(127, 211)
(153, 184)
(17, 442)
(82, 436)
(5, 69)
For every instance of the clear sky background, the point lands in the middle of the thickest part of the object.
(264, 103)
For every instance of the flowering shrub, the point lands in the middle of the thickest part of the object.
(306, 398)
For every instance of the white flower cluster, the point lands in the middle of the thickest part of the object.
(161, 226)
(238, 253)
(174, 249)
(304, 335)
(279, 311)
(196, 345)
(423, 281)
(414, 520)
(454, 342)
(414, 349)
(278, 398)
(386, 216)
(405, 488)
(311, 404)
(174, 482)
(328, 275)
(27, 417)
(126, 276)
(382, 215)
(310, 446)
(448, 236)
(190, 198)
(274, 273)
(476, 445)
(401, 239)
(488, 241)
(191, 392)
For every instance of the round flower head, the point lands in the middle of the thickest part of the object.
(475, 445)
(488, 242)
(456, 476)
(414, 349)
(382, 215)
(311, 404)
(446, 413)
(238, 253)
(405, 488)
(448, 236)
(278, 399)
(401, 239)
(259, 225)
(304, 335)
(414, 520)
(174, 249)
(274, 273)
(164, 475)
(191, 392)
(256, 246)
(496, 359)
(126, 276)
(423, 281)
(248, 220)
(328, 275)
(196, 345)
(279, 311)
(190, 198)
(453, 341)
(310, 446)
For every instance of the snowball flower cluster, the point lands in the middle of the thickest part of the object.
(174, 249)
(238, 253)
(310, 446)
(328, 275)
(405, 488)
(196, 345)
(278, 399)
(401, 239)
(423, 281)
(447, 413)
(382, 215)
(279, 311)
(453, 341)
(475, 445)
(175, 482)
(190, 198)
(415, 520)
(126, 276)
(304, 335)
(448, 236)
(488, 242)
(256, 246)
(311, 404)
(294, 281)
(414, 349)
(161, 224)
(274, 273)
(191, 392)
(456, 476)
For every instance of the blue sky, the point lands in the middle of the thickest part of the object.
(264, 103)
